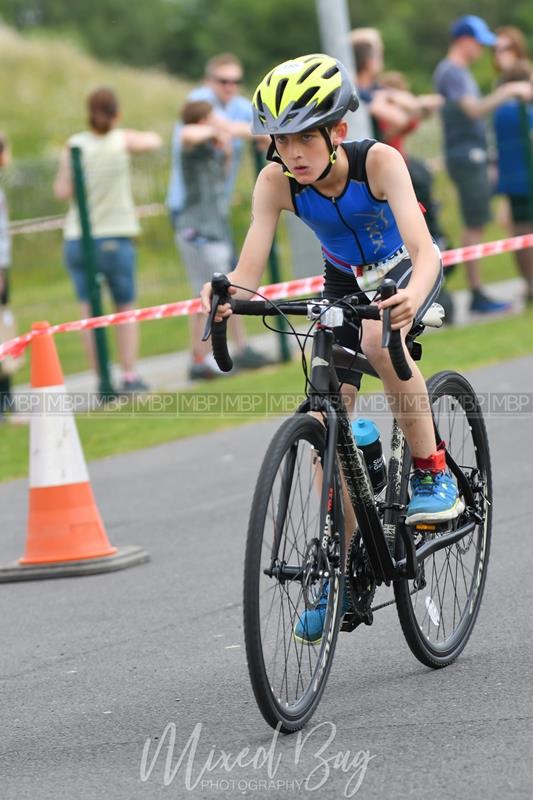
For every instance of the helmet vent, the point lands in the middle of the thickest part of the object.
(331, 72)
(280, 88)
(309, 71)
(305, 98)
(327, 104)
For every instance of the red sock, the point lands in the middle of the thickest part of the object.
(435, 462)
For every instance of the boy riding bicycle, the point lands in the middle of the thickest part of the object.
(358, 199)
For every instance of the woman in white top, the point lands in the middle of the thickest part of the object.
(106, 150)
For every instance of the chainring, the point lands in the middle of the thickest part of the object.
(362, 585)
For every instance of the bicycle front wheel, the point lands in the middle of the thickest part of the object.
(286, 574)
(438, 609)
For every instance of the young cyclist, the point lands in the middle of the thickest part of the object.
(358, 199)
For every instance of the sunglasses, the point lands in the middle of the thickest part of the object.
(228, 81)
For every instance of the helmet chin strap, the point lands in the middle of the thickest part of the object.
(272, 155)
(332, 153)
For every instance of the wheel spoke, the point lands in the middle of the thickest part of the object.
(292, 672)
(441, 619)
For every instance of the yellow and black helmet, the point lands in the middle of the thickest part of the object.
(312, 91)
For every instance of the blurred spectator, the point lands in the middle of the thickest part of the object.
(5, 262)
(421, 176)
(369, 36)
(395, 112)
(513, 124)
(393, 106)
(222, 81)
(202, 224)
(381, 106)
(465, 136)
(106, 151)
(510, 47)
(417, 107)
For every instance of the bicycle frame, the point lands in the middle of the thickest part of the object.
(379, 539)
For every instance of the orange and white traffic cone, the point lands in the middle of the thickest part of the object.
(66, 535)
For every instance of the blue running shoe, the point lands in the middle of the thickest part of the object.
(308, 629)
(481, 304)
(434, 498)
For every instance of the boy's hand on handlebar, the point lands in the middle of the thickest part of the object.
(223, 311)
(403, 308)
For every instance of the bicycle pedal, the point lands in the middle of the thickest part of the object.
(352, 620)
(432, 527)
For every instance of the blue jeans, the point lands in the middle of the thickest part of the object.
(115, 261)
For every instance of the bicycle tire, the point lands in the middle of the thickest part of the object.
(420, 627)
(300, 437)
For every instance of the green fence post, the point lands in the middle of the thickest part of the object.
(273, 265)
(89, 258)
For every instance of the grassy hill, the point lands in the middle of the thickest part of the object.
(45, 83)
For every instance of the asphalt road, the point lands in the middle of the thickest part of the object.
(93, 668)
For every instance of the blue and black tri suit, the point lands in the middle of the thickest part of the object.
(357, 231)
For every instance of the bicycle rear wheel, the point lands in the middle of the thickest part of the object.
(282, 577)
(438, 609)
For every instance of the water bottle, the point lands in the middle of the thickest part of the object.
(366, 435)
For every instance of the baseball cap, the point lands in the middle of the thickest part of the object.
(476, 27)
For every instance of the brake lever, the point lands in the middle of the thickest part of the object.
(386, 328)
(215, 302)
(220, 285)
(388, 289)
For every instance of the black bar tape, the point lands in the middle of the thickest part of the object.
(263, 308)
(397, 355)
(219, 344)
(252, 308)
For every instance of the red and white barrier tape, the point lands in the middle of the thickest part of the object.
(275, 291)
(475, 251)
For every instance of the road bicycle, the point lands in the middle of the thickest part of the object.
(296, 542)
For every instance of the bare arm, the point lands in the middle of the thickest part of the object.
(388, 113)
(390, 180)
(142, 141)
(63, 181)
(198, 133)
(475, 108)
(401, 98)
(240, 130)
(415, 105)
(267, 203)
